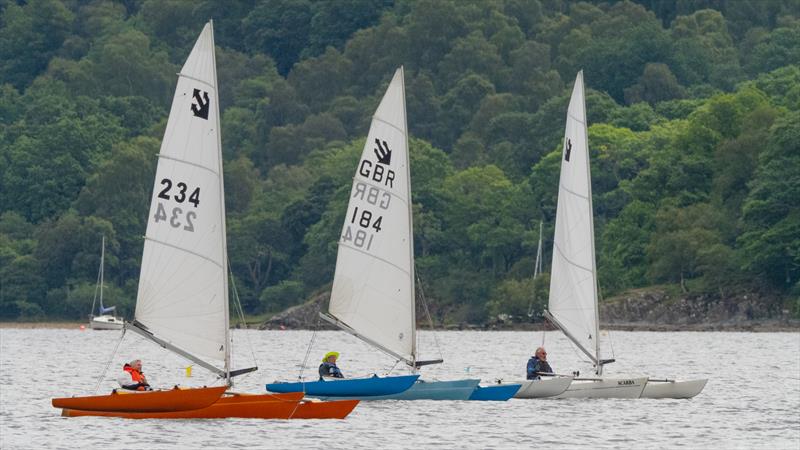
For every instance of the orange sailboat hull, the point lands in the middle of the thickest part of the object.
(146, 401)
(314, 409)
(248, 406)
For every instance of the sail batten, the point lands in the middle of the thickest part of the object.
(373, 286)
(373, 257)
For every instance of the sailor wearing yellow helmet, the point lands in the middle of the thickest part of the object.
(328, 367)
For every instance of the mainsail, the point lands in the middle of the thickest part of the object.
(573, 280)
(182, 300)
(373, 287)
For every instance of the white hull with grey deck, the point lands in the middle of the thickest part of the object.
(673, 389)
(605, 388)
(546, 387)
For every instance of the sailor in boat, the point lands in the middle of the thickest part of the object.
(132, 377)
(538, 365)
(328, 367)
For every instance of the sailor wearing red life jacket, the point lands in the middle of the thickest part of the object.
(132, 377)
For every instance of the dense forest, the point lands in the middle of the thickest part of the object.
(693, 107)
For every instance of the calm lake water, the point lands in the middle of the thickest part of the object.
(752, 399)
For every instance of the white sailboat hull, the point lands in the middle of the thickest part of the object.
(605, 388)
(674, 389)
(546, 387)
(106, 322)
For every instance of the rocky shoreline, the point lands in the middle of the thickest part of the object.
(642, 310)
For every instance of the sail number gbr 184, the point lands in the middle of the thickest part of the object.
(177, 218)
(363, 224)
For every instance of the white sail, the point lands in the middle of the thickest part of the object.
(573, 280)
(183, 293)
(373, 288)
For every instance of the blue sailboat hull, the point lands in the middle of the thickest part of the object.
(498, 393)
(348, 387)
(428, 390)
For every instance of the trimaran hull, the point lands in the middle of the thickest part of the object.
(349, 388)
(247, 406)
(145, 401)
(429, 390)
(546, 387)
(605, 388)
(673, 389)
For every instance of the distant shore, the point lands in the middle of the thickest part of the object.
(764, 326)
(32, 325)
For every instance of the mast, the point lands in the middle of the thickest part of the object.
(102, 266)
(591, 235)
(410, 230)
(537, 270)
(222, 215)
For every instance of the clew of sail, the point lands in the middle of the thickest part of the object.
(373, 287)
(573, 280)
(183, 294)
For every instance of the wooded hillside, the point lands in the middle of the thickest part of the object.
(693, 107)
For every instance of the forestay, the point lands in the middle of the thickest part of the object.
(573, 284)
(373, 288)
(183, 291)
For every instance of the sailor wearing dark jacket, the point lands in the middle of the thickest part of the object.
(328, 367)
(538, 365)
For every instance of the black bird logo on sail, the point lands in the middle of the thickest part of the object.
(568, 150)
(200, 104)
(382, 152)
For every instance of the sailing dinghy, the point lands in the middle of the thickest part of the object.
(547, 386)
(184, 268)
(572, 305)
(373, 294)
(104, 320)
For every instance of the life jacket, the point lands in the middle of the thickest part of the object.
(136, 376)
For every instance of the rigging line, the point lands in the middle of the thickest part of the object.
(310, 345)
(610, 341)
(96, 286)
(427, 313)
(240, 310)
(97, 387)
(391, 369)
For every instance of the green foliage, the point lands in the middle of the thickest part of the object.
(285, 294)
(694, 178)
(771, 215)
(30, 34)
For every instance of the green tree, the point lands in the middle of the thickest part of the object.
(30, 34)
(279, 28)
(771, 215)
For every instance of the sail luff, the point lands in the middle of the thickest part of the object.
(224, 240)
(591, 225)
(410, 205)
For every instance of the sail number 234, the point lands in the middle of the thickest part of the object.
(179, 194)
